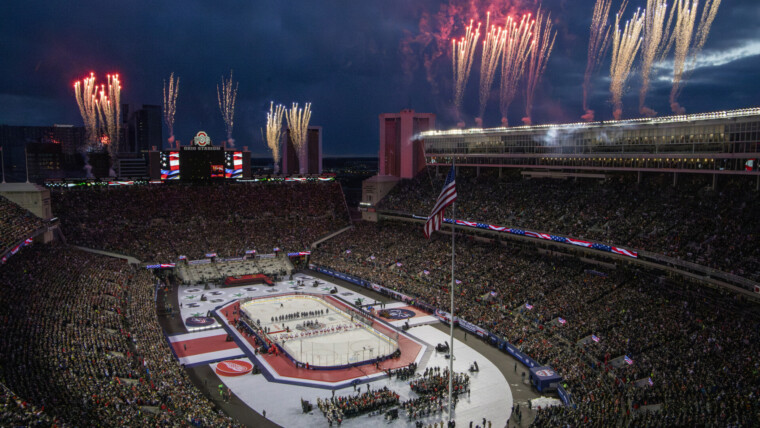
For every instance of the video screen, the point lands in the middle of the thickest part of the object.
(197, 163)
(217, 171)
(169, 165)
(233, 163)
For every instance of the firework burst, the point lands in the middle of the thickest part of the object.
(685, 44)
(298, 125)
(274, 132)
(493, 45)
(625, 46)
(541, 49)
(656, 36)
(598, 43)
(85, 92)
(170, 105)
(226, 95)
(516, 50)
(462, 55)
(110, 112)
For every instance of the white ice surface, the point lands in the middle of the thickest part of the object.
(339, 340)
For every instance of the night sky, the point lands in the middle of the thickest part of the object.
(352, 59)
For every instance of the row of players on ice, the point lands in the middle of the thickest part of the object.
(288, 335)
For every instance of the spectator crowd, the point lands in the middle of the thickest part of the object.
(81, 343)
(715, 228)
(159, 223)
(16, 224)
(336, 409)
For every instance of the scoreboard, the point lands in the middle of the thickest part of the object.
(200, 162)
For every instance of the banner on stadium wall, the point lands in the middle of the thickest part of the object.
(444, 316)
(299, 254)
(210, 255)
(544, 236)
(161, 266)
(530, 362)
(472, 328)
(267, 256)
(199, 262)
(564, 396)
(233, 259)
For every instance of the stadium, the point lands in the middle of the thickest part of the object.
(607, 274)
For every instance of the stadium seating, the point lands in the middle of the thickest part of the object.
(80, 339)
(161, 223)
(717, 229)
(16, 224)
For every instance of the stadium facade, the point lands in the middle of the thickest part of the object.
(726, 142)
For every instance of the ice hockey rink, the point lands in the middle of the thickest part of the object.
(316, 332)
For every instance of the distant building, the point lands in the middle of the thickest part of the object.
(143, 130)
(400, 155)
(60, 144)
(132, 165)
(44, 160)
(290, 161)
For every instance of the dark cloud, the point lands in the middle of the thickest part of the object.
(349, 58)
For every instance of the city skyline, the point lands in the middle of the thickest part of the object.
(352, 61)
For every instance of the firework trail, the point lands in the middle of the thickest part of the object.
(462, 55)
(683, 39)
(598, 43)
(656, 36)
(226, 95)
(170, 105)
(298, 124)
(87, 100)
(516, 50)
(274, 132)
(110, 113)
(493, 45)
(541, 49)
(625, 47)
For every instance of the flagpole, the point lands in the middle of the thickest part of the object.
(451, 313)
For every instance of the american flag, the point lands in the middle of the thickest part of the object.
(650, 382)
(561, 320)
(628, 360)
(170, 165)
(528, 306)
(594, 338)
(447, 197)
